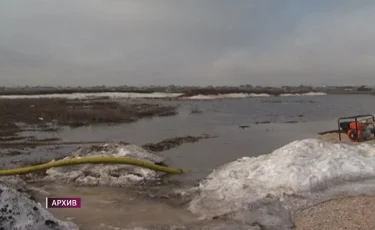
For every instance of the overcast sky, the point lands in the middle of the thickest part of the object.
(187, 42)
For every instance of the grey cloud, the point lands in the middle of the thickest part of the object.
(184, 42)
(337, 46)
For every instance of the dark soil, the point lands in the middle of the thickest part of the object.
(330, 131)
(12, 153)
(173, 142)
(263, 122)
(73, 113)
(13, 138)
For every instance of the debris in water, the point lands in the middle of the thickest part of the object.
(174, 142)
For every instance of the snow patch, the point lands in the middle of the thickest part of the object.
(303, 94)
(245, 95)
(114, 95)
(219, 96)
(224, 96)
(268, 189)
(259, 95)
(107, 174)
(155, 95)
(20, 213)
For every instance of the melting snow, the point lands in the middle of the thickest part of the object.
(107, 174)
(259, 95)
(220, 96)
(244, 95)
(155, 95)
(20, 213)
(268, 189)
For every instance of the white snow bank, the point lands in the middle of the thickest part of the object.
(268, 189)
(259, 95)
(304, 94)
(155, 95)
(219, 96)
(245, 95)
(20, 213)
(224, 96)
(107, 174)
(113, 95)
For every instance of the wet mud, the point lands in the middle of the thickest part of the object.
(48, 114)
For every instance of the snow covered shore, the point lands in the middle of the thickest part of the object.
(250, 193)
(156, 95)
(20, 212)
(246, 95)
(269, 189)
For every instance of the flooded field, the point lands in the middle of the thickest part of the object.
(196, 135)
(270, 122)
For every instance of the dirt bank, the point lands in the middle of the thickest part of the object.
(45, 114)
(347, 213)
(334, 137)
(344, 213)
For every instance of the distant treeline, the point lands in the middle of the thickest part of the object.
(185, 91)
(70, 91)
(273, 91)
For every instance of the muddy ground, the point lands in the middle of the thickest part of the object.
(47, 114)
(140, 206)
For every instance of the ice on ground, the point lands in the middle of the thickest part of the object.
(107, 174)
(314, 94)
(155, 95)
(303, 94)
(245, 95)
(268, 189)
(20, 213)
(114, 95)
(259, 95)
(224, 96)
(219, 96)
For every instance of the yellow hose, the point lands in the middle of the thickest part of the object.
(91, 160)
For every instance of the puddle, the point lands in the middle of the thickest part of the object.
(115, 208)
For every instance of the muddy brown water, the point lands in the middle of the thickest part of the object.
(115, 208)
